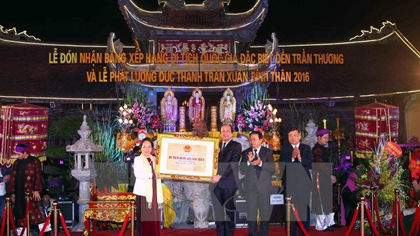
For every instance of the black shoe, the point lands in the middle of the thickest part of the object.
(328, 229)
(336, 226)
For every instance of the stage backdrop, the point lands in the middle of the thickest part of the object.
(372, 122)
(22, 123)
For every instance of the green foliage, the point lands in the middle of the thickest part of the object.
(55, 170)
(57, 152)
(103, 133)
(385, 173)
(258, 93)
(298, 115)
(110, 168)
(133, 92)
(65, 127)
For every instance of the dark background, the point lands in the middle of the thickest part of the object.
(294, 21)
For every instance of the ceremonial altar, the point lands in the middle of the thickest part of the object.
(108, 207)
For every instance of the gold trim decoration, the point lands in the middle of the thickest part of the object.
(116, 197)
(175, 138)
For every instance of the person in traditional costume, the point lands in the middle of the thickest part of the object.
(322, 183)
(148, 188)
(414, 165)
(26, 178)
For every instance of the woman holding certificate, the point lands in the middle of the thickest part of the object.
(148, 188)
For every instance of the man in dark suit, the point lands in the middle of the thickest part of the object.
(296, 160)
(224, 184)
(258, 166)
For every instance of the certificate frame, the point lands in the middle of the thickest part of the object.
(186, 157)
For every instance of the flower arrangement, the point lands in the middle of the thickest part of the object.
(138, 116)
(258, 116)
(156, 123)
(384, 172)
(255, 110)
(240, 122)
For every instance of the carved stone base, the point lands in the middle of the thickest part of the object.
(169, 127)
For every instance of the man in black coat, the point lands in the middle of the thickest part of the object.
(296, 160)
(224, 184)
(258, 166)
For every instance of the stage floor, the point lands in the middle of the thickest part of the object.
(273, 231)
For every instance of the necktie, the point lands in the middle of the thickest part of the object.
(256, 168)
(224, 145)
(296, 159)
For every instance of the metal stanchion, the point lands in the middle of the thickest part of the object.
(132, 208)
(397, 212)
(8, 216)
(339, 204)
(372, 205)
(28, 224)
(362, 216)
(55, 218)
(288, 199)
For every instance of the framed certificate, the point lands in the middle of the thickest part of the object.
(186, 157)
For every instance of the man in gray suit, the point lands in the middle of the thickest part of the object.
(258, 166)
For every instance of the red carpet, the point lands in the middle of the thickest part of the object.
(274, 231)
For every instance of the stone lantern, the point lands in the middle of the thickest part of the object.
(84, 171)
(311, 138)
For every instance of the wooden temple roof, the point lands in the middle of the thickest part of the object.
(195, 21)
(176, 15)
(386, 66)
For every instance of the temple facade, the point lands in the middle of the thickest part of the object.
(339, 75)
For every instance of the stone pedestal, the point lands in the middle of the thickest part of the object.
(181, 204)
(199, 193)
(169, 127)
(84, 176)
